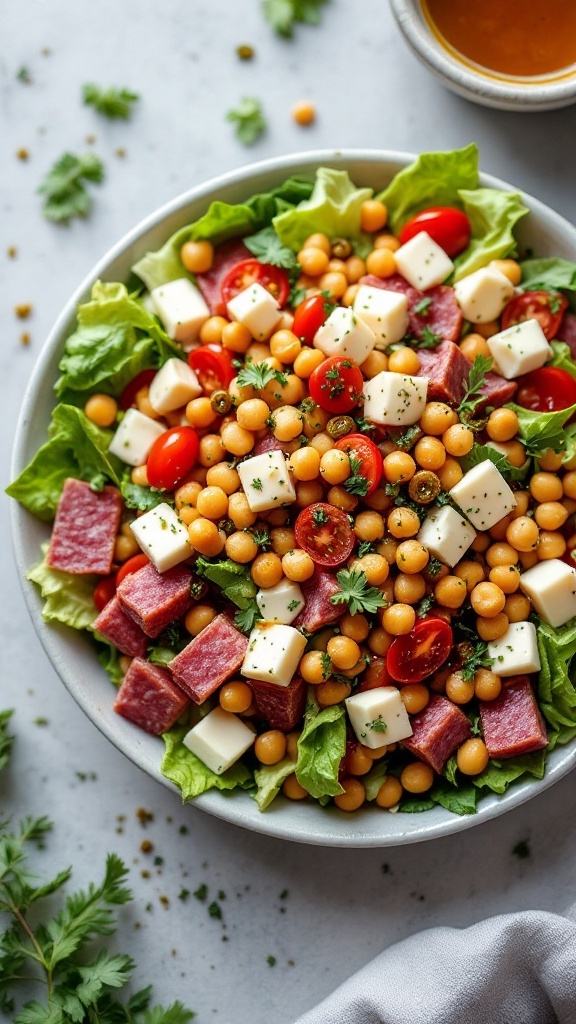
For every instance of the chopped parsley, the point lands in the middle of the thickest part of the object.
(356, 593)
(111, 103)
(356, 483)
(293, 605)
(365, 548)
(260, 536)
(378, 725)
(320, 517)
(422, 308)
(63, 187)
(257, 483)
(248, 120)
(429, 338)
(473, 394)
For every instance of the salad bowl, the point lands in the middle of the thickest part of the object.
(543, 232)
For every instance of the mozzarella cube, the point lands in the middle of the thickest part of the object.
(345, 334)
(257, 309)
(134, 437)
(219, 739)
(182, 310)
(515, 652)
(394, 399)
(274, 651)
(483, 495)
(551, 586)
(282, 603)
(385, 313)
(483, 294)
(162, 536)
(378, 716)
(174, 385)
(423, 262)
(446, 534)
(266, 481)
(519, 349)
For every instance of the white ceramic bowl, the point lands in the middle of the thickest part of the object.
(546, 92)
(73, 657)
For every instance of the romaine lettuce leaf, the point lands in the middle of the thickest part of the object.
(374, 778)
(109, 657)
(498, 775)
(551, 274)
(333, 208)
(68, 598)
(269, 779)
(556, 691)
(321, 747)
(492, 215)
(433, 179)
(191, 775)
(562, 357)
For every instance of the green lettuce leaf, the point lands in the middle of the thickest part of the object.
(268, 248)
(484, 453)
(492, 215)
(321, 747)
(333, 208)
(556, 691)
(433, 179)
(68, 598)
(141, 498)
(540, 431)
(233, 579)
(269, 779)
(76, 448)
(550, 274)
(461, 799)
(374, 778)
(191, 775)
(562, 357)
(499, 775)
(109, 657)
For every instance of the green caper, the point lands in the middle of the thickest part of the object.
(338, 426)
(340, 248)
(221, 402)
(424, 487)
(227, 526)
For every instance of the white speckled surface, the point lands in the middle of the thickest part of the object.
(342, 907)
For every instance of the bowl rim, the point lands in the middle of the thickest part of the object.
(326, 827)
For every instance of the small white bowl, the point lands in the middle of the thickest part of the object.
(467, 79)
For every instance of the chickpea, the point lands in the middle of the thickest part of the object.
(409, 589)
(550, 545)
(472, 756)
(205, 537)
(212, 450)
(398, 619)
(522, 504)
(314, 261)
(528, 559)
(404, 360)
(514, 451)
(498, 530)
(501, 554)
(312, 669)
(200, 616)
(197, 257)
(308, 492)
(335, 466)
(211, 330)
(270, 746)
(517, 608)
(471, 572)
(297, 565)
(450, 592)
(381, 262)
(353, 796)
(388, 548)
(240, 394)
(380, 501)
(488, 329)
(379, 641)
(292, 789)
(489, 629)
(101, 410)
(387, 241)
(253, 414)
(437, 418)
(143, 404)
(502, 425)
(474, 345)
(235, 697)
(403, 522)
(551, 461)
(545, 487)
(236, 337)
(458, 689)
(487, 685)
(266, 569)
(487, 599)
(125, 547)
(239, 511)
(411, 556)
(319, 241)
(341, 498)
(458, 440)
(305, 463)
(375, 567)
(200, 413)
(550, 515)
(417, 777)
(415, 697)
(398, 467)
(389, 793)
(523, 534)
(450, 473)
(343, 652)
(356, 626)
(430, 453)
(307, 360)
(480, 543)
(373, 216)
(507, 577)
(369, 526)
(569, 484)
(236, 439)
(241, 547)
(333, 282)
(359, 760)
(212, 502)
(287, 423)
(375, 363)
(139, 475)
(333, 691)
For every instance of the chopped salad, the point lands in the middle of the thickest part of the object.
(312, 482)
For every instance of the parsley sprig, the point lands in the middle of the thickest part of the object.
(112, 103)
(356, 483)
(473, 652)
(248, 120)
(282, 15)
(258, 375)
(356, 593)
(473, 395)
(64, 189)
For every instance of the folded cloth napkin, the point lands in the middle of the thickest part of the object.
(511, 969)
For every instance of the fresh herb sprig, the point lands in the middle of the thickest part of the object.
(111, 103)
(258, 375)
(356, 593)
(248, 120)
(473, 394)
(356, 483)
(64, 186)
(283, 15)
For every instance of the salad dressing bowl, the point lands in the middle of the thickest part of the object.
(73, 658)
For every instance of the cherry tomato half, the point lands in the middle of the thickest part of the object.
(141, 380)
(104, 592)
(171, 457)
(421, 652)
(131, 565)
(248, 272)
(325, 533)
(358, 446)
(549, 389)
(309, 316)
(449, 227)
(545, 307)
(336, 385)
(212, 364)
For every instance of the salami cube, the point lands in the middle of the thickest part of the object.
(210, 283)
(85, 528)
(154, 599)
(281, 706)
(120, 630)
(512, 723)
(437, 731)
(447, 371)
(434, 310)
(209, 659)
(149, 698)
(318, 610)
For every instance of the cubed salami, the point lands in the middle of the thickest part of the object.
(281, 706)
(437, 731)
(435, 309)
(319, 610)
(120, 630)
(210, 658)
(85, 528)
(447, 370)
(512, 723)
(154, 599)
(226, 257)
(150, 698)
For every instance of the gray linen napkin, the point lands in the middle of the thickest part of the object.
(511, 969)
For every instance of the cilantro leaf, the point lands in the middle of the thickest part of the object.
(356, 593)
(268, 248)
(356, 483)
(429, 338)
(476, 381)
(63, 186)
(246, 618)
(248, 120)
(282, 15)
(112, 103)
(257, 375)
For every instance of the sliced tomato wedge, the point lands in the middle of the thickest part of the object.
(449, 227)
(309, 316)
(212, 364)
(248, 272)
(545, 307)
(549, 389)
(131, 565)
(336, 385)
(325, 533)
(360, 447)
(141, 380)
(421, 652)
(171, 457)
(104, 591)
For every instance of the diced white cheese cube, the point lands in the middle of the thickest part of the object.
(174, 385)
(219, 739)
(345, 334)
(516, 651)
(446, 534)
(282, 603)
(182, 310)
(385, 312)
(394, 399)
(423, 262)
(483, 495)
(378, 716)
(483, 294)
(134, 437)
(273, 653)
(266, 481)
(162, 536)
(257, 309)
(519, 349)
(551, 586)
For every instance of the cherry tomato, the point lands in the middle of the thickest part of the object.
(376, 675)
(546, 308)
(104, 591)
(212, 364)
(309, 316)
(171, 457)
(325, 533)
(336, 385)
(141, 380)
(131, 565)
(421, 652)
(358, 446)
(248, 272)
(549, 389)
(449, 227)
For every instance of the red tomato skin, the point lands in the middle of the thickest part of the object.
(171, 457)
(104, 591)
(341, 392)
(248, 272)
(309, 316)
(403, 661)
(549, 389)
(131, 565)
(536, 305)
(329, 543)
(364, 449)
(377, 675)
(212, 364)
(141, 380)
(447, 226)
